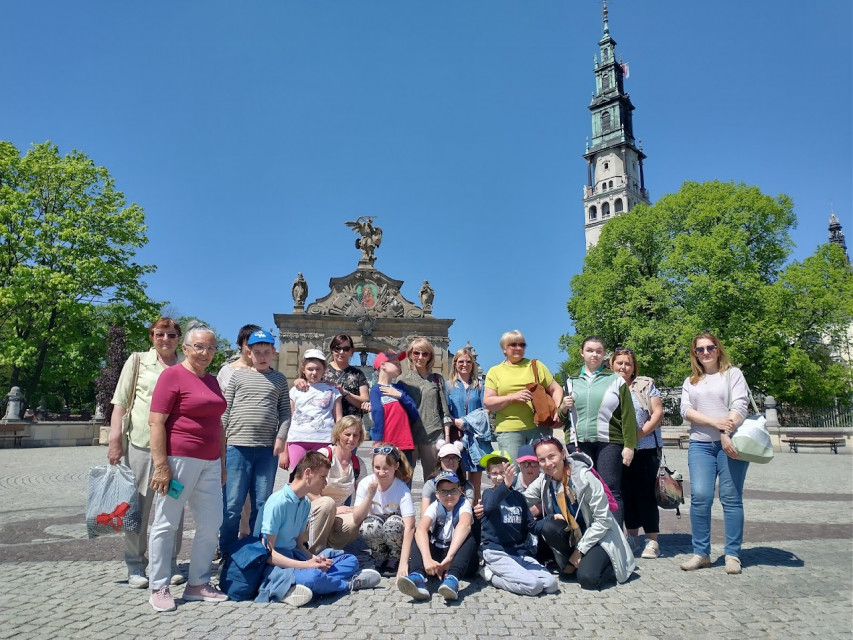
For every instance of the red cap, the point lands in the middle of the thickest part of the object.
(386, 356)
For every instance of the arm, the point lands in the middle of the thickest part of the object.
(556, 392)
(362, 396)
(460, 533)
(339, 408)
(285, 409)
(280, 560)
(363, 500)
(655, 417)
(377, 412)
(422, 540)
(405, 552)
(229, 393)
(493, 402)
(115, 452)
(629, 423)
(162, 473)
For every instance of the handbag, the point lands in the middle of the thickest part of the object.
(243, 568)
(125, 419)
(112, 505)
(669, 491)
(751, 439)
(543, 405)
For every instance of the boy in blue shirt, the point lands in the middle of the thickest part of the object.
(296, 574)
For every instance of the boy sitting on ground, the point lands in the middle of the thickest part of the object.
(444, 546)
(296, 574)
(507, 524)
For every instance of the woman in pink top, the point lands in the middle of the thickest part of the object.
(188, 451)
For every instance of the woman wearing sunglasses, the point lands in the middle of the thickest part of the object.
(714, 400)
(130, 438)
(350, 380)
(576, 521)
(506, 394)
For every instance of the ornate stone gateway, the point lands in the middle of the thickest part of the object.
(365, 304)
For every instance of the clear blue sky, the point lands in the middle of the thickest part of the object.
(249, 132)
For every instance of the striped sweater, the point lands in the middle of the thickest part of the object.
(258, 404)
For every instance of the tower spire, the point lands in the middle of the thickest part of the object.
(604, 16)
(836, 235)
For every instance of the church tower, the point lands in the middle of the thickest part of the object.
(836, 235)
(614, 160)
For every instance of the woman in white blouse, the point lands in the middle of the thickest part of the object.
(714, 400)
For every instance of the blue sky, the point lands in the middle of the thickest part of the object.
(249, 132)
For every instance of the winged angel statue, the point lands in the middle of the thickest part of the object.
(371, 237)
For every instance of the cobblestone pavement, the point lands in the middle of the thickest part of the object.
(798, 563)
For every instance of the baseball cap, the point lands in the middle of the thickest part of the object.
(446, 476)
(499, 456)
(387, 356)
(314, 353)
(260, 336)
(526, 453)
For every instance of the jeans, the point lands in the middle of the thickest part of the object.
(707, 461)
(250, 471)
(512, 441)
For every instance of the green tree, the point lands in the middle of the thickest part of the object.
(710, 257)
(67, 244)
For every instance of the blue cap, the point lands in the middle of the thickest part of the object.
(446, 476)
(260, 336)
(525, 453)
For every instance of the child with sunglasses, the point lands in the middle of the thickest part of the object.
(389, 527)
(444, 544)
(391, 407)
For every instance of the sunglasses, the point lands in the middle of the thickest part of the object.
(547, 440)
(530, 463)
(162, 334)
(420, 354)
(623, 350)
(711, 348)
(384, 450)
(519, 345)
(342, 349)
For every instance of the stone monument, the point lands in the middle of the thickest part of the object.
(366, 304)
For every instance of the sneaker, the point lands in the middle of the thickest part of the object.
(298, 596)
(652, 550)
(696, 562)
(137, 579)
(449, 588)
(733, 565)
(414, 586)
(162, 600)
(177, 578)
(204, 593)
(365, 579)
(486, 573)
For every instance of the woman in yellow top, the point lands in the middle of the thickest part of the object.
(507, 395)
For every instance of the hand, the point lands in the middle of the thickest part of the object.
(559, 516)
(509, 474)
(478, 511)
(319, 562)
(459, 423)
(522, 396)
(224, 475)
(301, 384)
(114, 453)
(567, 403)
(280, 445)
(725, 425)
(284, 459)
(575, 558)
(627, 456)
(372, 487)
(402, 570)
(160, 479)
(388, 390)
(343, 509)
(365, 406)
(444, 567)
(431, 566)
(535, 511)
(728, 446)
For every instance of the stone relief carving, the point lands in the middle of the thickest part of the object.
(371, 238)
(299, 292)
(427, 295)
(365, 292)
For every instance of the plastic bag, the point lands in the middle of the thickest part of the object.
(752, 440)
(113, 504)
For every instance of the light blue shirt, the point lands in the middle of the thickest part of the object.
(285, 516)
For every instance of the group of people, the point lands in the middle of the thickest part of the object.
(551, 508)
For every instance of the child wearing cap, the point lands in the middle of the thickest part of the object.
(449, 459)
(444, 545)
(507, 525)
(529, 465)
(257, 408)
(392, 409)
(315, 410)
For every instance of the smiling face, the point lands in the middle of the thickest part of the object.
(707, 354)
(593, 355)
(199, 349)
(384, 469)
(623, 364)
(448, 494)
(341, 352)
(551, 460)
(514, 351)
(451, 463)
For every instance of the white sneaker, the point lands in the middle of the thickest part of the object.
(365, 579)
(652, 550)
(138, 580)
(486, 573)
(177, 578)
(298, 595)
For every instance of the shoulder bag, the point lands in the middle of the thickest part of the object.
(751, 439)
(543, 405)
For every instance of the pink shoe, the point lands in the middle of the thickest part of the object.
(204, 593)
(162, 600)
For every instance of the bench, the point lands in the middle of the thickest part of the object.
(813, 438)
(673, 438)
(10, 432)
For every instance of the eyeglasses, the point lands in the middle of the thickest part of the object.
(452, 456)
(341, 349)
(420, 354)
(530, 463)
(447, 493)
(200, 348)
(711, 348)
(547, 440)
(162, 334)
(623, 350)
(383, 451)
(518, 345)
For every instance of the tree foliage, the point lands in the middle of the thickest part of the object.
(67, 271)
(710, 258)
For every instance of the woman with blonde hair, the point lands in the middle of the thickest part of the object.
(714, 400)
(506, 394)
(427, 390)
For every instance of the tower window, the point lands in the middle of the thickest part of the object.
(605, 210)
(617, 206)
(593, 213)
(605, 82)
(610, 184)
(606, 166)
(605, 121)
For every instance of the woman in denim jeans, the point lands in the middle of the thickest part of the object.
(714, 400)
